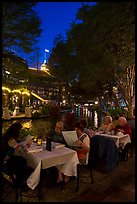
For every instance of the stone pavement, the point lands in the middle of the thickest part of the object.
(115, 186)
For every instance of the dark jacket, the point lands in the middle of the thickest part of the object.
(103, 150)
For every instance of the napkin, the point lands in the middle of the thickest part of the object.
(119, 133)
(34, 149)
(59, 146)
(26, 140)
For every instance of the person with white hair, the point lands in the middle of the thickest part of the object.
(56, 135)
(107, 124)
(123, 126)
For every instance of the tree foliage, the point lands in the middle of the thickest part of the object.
(20, 32)
(103, 48)
(60, 60)
(20, 26)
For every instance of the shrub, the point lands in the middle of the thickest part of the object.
(117, 112)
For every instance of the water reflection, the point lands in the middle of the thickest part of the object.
(95, 119)
(90, 116)
(38, 126)
(45, 125)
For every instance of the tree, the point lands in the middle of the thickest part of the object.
(20, 26)
(19, 35)
(61, 61)
(126, 87)
(103, 46)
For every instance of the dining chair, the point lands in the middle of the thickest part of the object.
(81, 166)
(128, 149)
(131, 146)
(20, 188)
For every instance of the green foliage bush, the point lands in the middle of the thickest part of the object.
(117, 112)
(46, 109)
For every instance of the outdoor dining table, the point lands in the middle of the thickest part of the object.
(38, 157)
(123, 138)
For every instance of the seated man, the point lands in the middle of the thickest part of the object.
(123, 127)
(56, 135)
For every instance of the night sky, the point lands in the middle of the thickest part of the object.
(56, 19)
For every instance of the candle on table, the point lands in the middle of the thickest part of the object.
(39, 141)
(35, 139)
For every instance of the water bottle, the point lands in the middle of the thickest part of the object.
(48, 144)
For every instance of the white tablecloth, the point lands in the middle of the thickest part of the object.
(63, 158)
(118, 139)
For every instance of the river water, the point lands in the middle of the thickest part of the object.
(47, 124)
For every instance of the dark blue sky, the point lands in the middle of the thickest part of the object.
(56, 18)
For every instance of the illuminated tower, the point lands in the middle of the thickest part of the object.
(45, 55)
(44, 65)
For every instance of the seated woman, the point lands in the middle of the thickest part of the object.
(84, 143)
(107, 124)
(83, 148)
(83, 124)
(14, 167)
